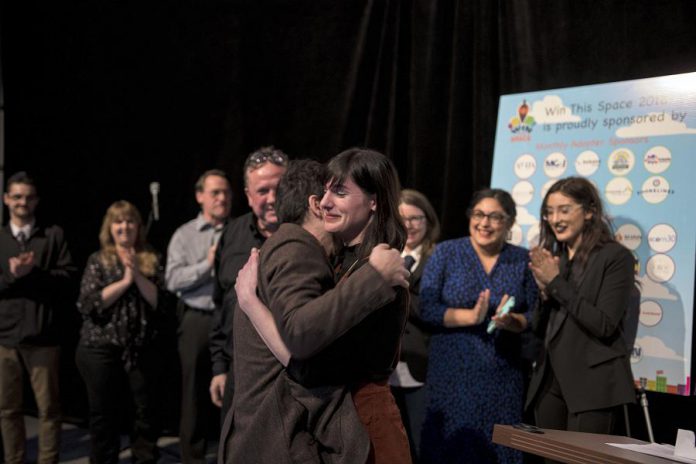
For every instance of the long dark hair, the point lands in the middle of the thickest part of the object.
(596, 232)
(376, 175)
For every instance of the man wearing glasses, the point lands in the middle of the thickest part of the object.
(262, 172)
(35, 276)
(189, 274)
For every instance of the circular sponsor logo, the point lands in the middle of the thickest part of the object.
(525, 166)
(650, 313)
(662, 238)
(657, 159)
(618, 191)
(515, 235)
(533, 236)
(555, 164)
(523, 192)
(587, 163)
(655, 189)
(545, 188)
(621, 161)
(629, 235)
(660, 268)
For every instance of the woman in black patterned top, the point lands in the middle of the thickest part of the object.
(121, 297)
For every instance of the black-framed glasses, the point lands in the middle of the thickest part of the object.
(494, 217)
(413, 220)
(266, 155)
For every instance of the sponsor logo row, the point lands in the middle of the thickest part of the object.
(620, 162)
(618, 191)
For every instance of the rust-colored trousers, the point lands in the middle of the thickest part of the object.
(380, 416)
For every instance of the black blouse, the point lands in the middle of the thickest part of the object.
(129, 323)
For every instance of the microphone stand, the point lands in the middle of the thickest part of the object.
(150, 220)
(643, 398)
(153, 216)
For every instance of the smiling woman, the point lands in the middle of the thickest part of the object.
(121, 301)
(587, 284)
(475, 378)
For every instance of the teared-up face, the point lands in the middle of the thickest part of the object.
(21, 201)
(215, 199)
(566, 218)
(416, 224)
(262, 184)
(124, 231)
(488, 224)
(347, 211)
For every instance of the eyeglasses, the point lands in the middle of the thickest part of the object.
(562, 211)
(494, 217)
(266, 154)
(413, 220)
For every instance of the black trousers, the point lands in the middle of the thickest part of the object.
(198, 413)
(411, 403)
(551, 411)
(103, 372)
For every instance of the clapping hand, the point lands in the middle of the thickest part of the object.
(544, 266)
(480, 309)
(128, 259)
(513, 322)
(22, 264)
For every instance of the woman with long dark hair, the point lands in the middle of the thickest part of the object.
(121, 301)
(586, 280)
(361, 210)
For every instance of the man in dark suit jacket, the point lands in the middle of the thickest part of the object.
(273, 419)
(263, 169)
(36, 271)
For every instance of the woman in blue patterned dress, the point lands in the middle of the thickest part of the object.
(475, 379)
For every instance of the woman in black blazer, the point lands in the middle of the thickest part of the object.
(423, 229)
(586, 280)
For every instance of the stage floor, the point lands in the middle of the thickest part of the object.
(75, 446)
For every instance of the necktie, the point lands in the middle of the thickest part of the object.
(22, 240)
(409, 261)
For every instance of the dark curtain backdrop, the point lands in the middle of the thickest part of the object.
(103, 97)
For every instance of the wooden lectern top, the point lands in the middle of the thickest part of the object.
(573, 447)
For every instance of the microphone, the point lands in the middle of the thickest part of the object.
(154, 191)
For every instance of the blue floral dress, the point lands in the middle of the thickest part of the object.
(475, 380)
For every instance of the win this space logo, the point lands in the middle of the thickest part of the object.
(522, 121)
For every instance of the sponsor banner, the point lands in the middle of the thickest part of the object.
(636, 141)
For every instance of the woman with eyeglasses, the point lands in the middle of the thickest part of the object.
(586, 282)
(407, 381)
(475, 370)
(122, 299)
